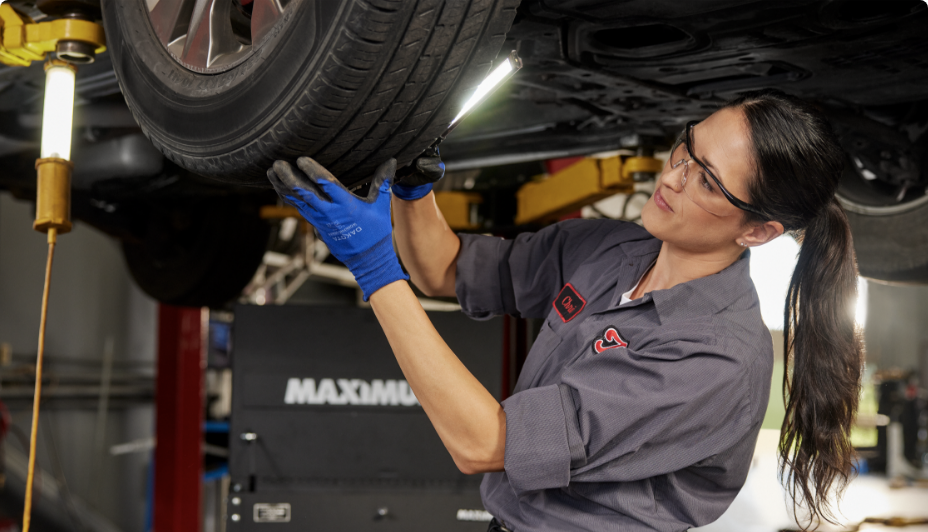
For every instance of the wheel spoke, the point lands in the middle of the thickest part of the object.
(264, 15)
(201, 34)
(170, 19)
(900, 194)
(210, 35)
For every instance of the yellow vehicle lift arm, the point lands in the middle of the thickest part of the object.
(585, 182)
(24, 41)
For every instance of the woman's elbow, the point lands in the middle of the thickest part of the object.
(475, 468)
(475, 464)
(467, 468)
(437, 287)
(427, 289)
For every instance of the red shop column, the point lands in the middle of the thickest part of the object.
(179, 397)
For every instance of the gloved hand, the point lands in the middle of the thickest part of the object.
(356, 230)
(415, 181)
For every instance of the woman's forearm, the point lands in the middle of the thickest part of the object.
(468, 419)
(426, 245)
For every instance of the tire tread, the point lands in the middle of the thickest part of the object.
(387, 87)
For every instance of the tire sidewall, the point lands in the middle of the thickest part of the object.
(892, 248)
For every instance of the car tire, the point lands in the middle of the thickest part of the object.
(891, 248)
(349, 83)
(197, 252)
(890, 231)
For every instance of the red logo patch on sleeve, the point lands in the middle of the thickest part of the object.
(610, 339)
(568, 303)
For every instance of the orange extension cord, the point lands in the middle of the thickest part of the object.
(27, 509)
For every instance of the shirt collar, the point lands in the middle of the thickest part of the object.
(638, 248)
(706, 295)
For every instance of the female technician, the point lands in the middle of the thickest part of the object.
(640, 402)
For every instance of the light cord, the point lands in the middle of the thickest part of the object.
(30, 476)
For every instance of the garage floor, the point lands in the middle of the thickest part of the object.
(761, 506)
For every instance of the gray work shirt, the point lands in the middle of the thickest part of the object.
(642, 416)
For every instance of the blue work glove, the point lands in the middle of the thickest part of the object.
(356, 230)
(415, 181)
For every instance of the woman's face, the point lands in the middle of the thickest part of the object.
(721, 142)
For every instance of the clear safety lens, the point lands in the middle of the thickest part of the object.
(698, 186)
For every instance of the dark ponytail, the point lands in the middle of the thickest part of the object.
(824, 387)
(797, 166)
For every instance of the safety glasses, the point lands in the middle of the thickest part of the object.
(701, 186)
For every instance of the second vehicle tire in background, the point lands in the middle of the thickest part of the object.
(197, 252)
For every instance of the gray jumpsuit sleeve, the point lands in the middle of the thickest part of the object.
(522, 276)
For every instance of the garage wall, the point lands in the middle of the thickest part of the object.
(92, 299)
(897, 328)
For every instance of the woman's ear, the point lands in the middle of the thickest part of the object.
(761, 233)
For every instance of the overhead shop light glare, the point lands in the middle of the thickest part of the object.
(772, 268)
(58, 112)
(860, 308)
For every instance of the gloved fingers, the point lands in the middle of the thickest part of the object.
(431, 169)
(383, 179)
(291, 180)
(323, 179)
(279, 187)
(275, 182)
(431, 151)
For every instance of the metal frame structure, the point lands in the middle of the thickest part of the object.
(179, 414)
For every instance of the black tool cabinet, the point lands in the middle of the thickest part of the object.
(356, 453)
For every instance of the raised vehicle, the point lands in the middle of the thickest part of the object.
(177, 122)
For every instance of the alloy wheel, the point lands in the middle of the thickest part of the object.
(213, 36)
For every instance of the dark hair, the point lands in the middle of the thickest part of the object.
(797, 163)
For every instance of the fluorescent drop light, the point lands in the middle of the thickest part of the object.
(58, 112)
(486, 86)
(501, 73)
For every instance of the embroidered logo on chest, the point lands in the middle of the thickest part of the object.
(610, 339)
(568, 303)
